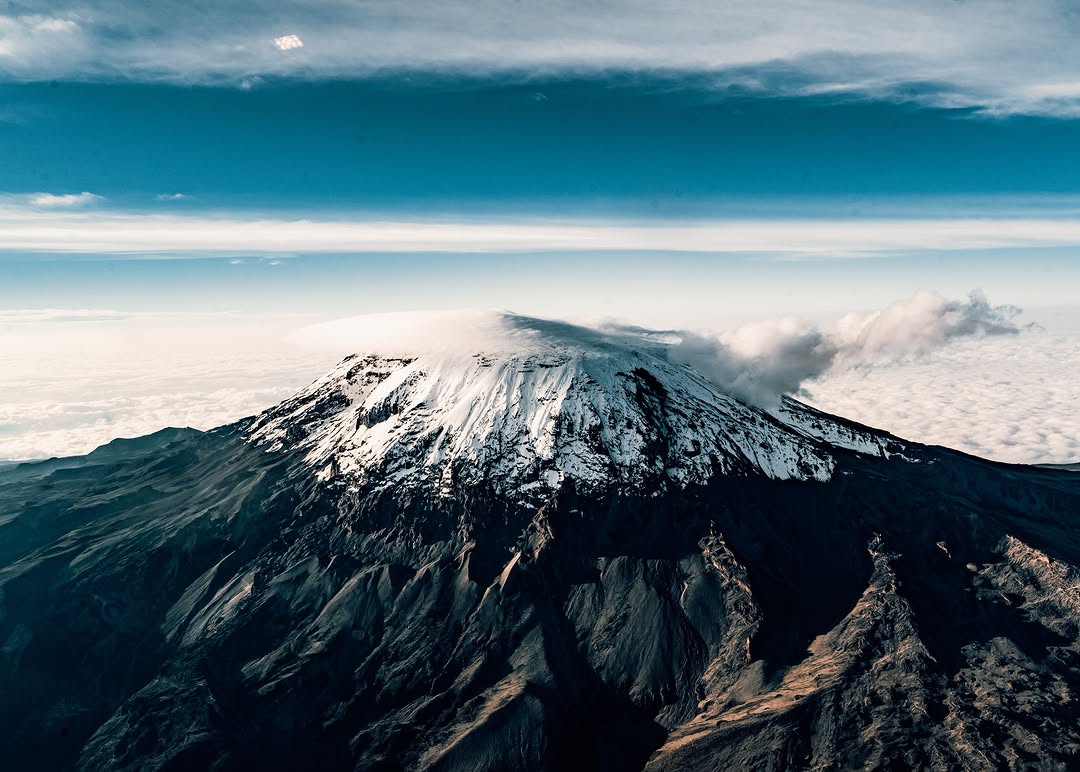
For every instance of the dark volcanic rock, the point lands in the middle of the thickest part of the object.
(197, 601)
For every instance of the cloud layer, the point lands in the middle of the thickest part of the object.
(992, 54)
(958, 373)
(1009, 398)
(44, 222)
(73, 379)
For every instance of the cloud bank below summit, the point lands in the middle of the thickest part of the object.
(757, 363)
(928, 369)
(995, 54)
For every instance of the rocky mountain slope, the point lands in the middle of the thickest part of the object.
(573, 552)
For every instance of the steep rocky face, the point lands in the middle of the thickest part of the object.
(575, 557)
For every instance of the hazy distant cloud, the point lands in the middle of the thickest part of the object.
(55, 315)
(45, 24)
(26, 228)
(169, 197)
(997, 55)
(63, 200)
(98, 374)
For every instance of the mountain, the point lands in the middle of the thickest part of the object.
(563, 550)
(1067, 467)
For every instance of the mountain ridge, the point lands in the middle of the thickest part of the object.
(276, 594)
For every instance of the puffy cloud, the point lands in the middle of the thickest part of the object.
(63, 200)
(920, 325)
(45, 24)
(757, 362)
(963, 374)
(288, 42)
(29, 42)
(762, 361)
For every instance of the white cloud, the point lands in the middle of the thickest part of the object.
(995, 54)
(72, 379)
(170, 197)
(761, 361)
(63, 200)
(24, 229)
(1007, 398)
(28, 43)
(919, 325)
(54, 25)
(412, 333)
(288, 42)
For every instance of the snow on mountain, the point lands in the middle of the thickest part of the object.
(521, 404)
(838, 432)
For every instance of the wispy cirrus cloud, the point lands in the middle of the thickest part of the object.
(994, 55)
(51, 223)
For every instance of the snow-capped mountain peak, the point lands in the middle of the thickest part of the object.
(539, 403)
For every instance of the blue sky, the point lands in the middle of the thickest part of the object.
(605, 151)
(213, 175)
(654, 288)
(641, 144)
(777, 155)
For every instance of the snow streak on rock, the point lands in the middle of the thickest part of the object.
(608, 412)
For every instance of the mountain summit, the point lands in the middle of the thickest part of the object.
(540, 404)
(536, 546)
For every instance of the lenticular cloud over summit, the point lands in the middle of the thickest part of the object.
(421, 332)
(757, 363)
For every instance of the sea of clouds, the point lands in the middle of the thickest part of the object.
(963, 373)
(71, 380)
(1009, 398)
